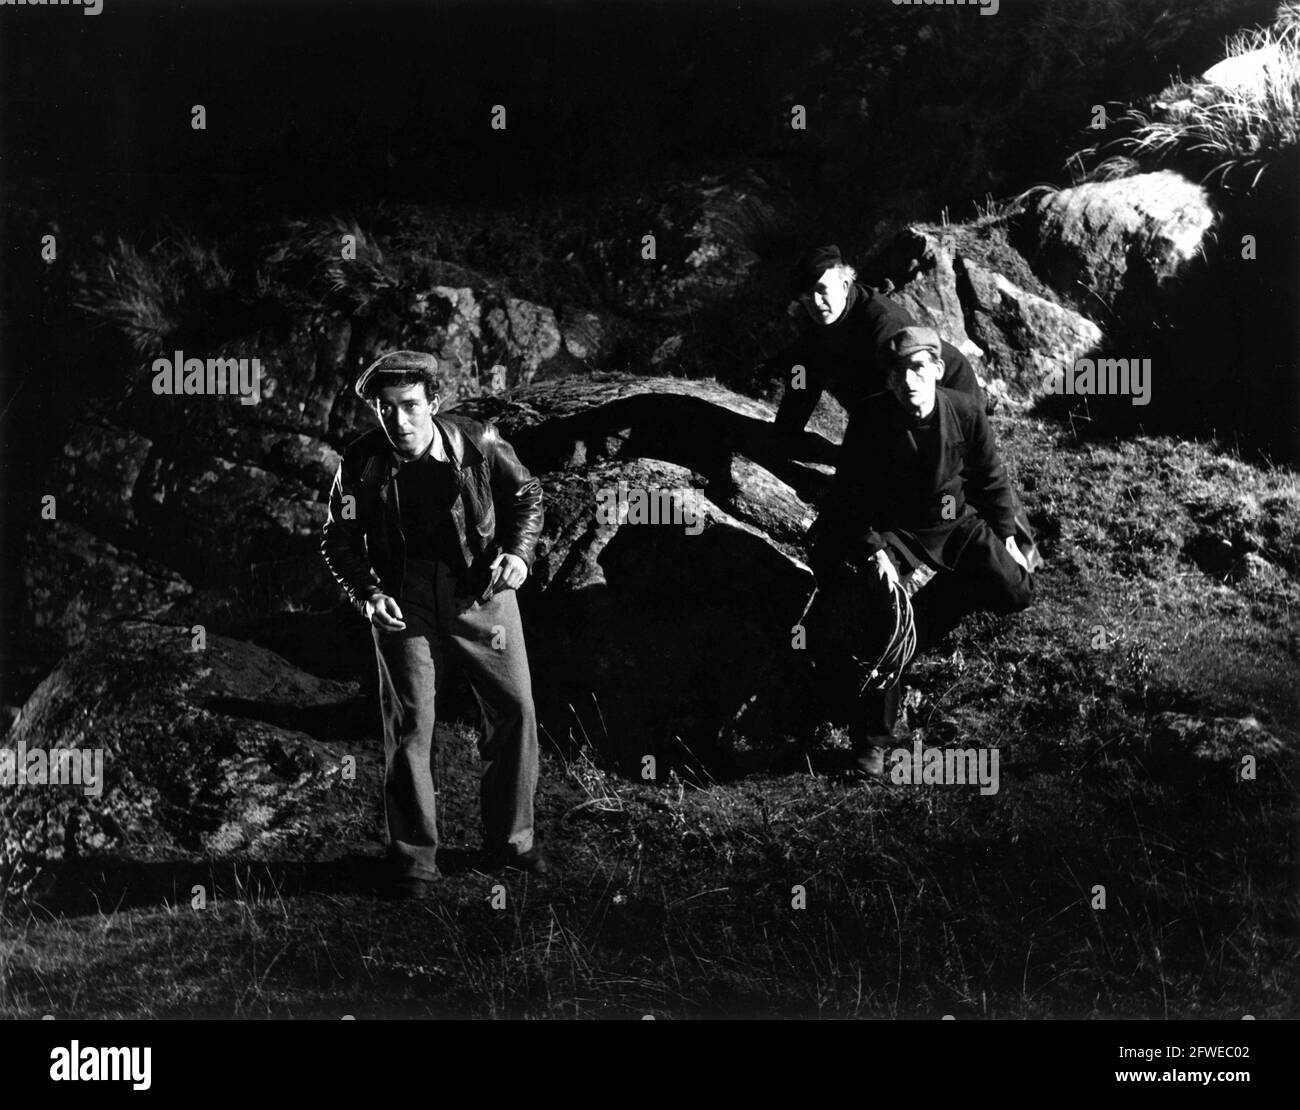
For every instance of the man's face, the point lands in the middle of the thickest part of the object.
(825, 301)
(913, 380)
(407, 417)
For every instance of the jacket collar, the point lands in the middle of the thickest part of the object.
(449, 444)
(452, 444)
(945, 415)
(949, 425)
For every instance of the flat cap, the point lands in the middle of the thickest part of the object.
(910, 340)
(812, 264)
(396, 362)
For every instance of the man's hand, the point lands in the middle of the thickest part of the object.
(508, 572)
(1013, 550)
(886, 569)
(382, 611)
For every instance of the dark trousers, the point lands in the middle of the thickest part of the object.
(986, 577)
(488, 638)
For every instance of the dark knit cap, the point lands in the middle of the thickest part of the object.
(910, 340)
(812, 264)
(395, 363)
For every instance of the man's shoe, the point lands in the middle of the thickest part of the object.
(869, 762)
(408, 888)
(532, 861)
(403, 887)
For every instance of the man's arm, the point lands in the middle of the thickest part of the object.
(988, 487)
(844, 531)
(880, 317)
(517, 496)
(342, 546)
(800, 397)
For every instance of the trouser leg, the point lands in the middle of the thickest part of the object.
(877, 716)
(489, 637)
(990, 578)
(829, 639)
(836, 633)
(986, 577)
(408, 663)
(937, 607)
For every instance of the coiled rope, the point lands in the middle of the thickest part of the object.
(883, 670)
(887, 668)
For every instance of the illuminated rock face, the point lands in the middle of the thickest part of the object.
(1111, 246)
(989, 304)
(1248, 73)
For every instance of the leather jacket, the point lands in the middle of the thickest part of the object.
(498, 508)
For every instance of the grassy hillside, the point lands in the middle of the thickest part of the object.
(1139, 858)
(1120, 767)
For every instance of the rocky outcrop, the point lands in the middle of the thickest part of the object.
(142, 521)
(700, 424)
(181, 749)
(1025, 337)
(667, 578)
(1249, 72)
(158, 495)
(971, 285)
(918, 269)
(671, 565)
(1109, 247)
(1197, 277)
(73, 581)
(486, 336)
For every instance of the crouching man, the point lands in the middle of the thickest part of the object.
(431, 528)
(920, 485)
(843, 349)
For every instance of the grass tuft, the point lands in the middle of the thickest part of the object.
(1231, 135)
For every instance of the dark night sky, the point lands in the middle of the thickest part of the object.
(312, 99)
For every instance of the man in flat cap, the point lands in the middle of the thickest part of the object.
(839, 347)
(920, 484)
(431, 528)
